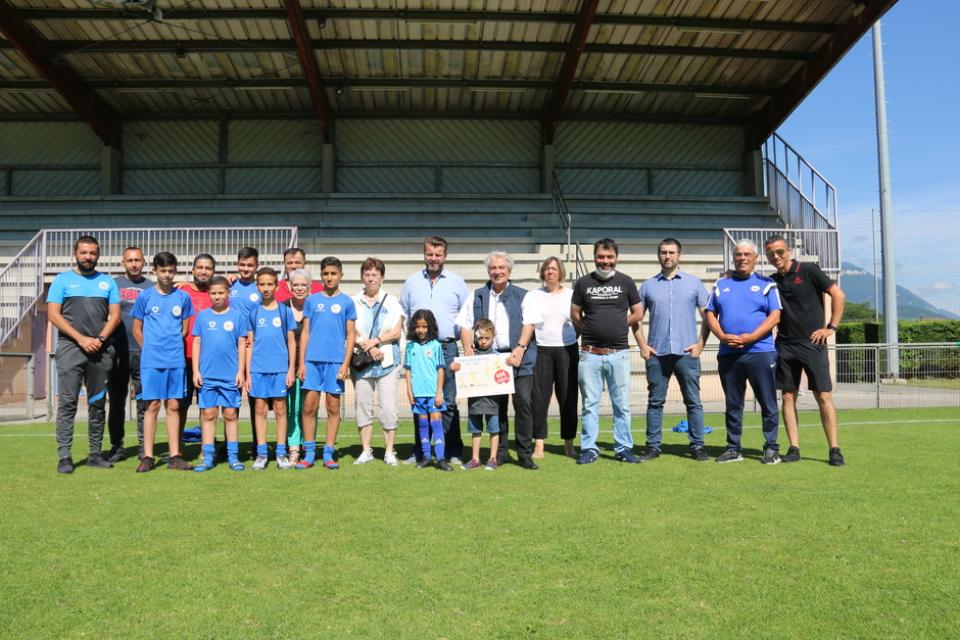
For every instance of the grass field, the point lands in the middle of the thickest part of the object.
(667, 549)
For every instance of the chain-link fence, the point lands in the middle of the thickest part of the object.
(16, 387)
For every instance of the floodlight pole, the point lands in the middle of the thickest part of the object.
(891, 336)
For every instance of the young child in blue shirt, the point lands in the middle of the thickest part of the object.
(483, 408)
(425, 368)
(219, 360)
(326, 344)
(160, 320)
(270, 362)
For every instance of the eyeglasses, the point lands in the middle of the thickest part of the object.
(777, 252)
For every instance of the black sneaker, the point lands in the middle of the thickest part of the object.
(770, 456)
(426, 462)
(730, 455)
(588, 456)
(65, 465)
(443, 465)
(793, 455)
(178, 463)
(116, 454)
(627, 456)
(97, 461)
(652, 453)
(836, 458)
(528, 463)
(699, 454)
(146, 464)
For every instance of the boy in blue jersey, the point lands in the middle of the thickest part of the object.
(326, 345)
(219, 360)
(742, 312)
(244, 297)
(270, 365)
(160, 318)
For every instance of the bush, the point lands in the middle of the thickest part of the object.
(861, 366)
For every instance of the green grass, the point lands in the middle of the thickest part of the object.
(935, 383)
(669, 549)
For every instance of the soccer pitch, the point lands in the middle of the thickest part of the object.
(666, 549)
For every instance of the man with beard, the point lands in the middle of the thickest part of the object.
(126, 364)
(84, 306)
(294, 258)
(442, 292)
(204, 267)
(604, 306)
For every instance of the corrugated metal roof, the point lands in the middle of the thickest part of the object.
(489, 46)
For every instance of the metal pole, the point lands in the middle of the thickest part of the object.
(30, 375)
(886, 211)
(876, 275)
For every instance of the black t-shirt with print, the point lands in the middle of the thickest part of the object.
(801, 296)
(605, 305)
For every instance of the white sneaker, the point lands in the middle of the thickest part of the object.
(390, 458)
(454, 460)
(260, 463)
(283, 462)
(365, 457)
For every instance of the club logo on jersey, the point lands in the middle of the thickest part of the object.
(277, 323)
(212, 324)
(228, 325)
(261, 322)
(254, 297)
(319, 306)
(154, 309)
(176, 311)
(428, 353)
(797, 280)
(335, 308)
(104, 286)
(234, 293)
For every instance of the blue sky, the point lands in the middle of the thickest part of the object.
(835, 129)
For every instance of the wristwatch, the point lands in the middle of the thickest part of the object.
(831, 326)
(522, 346)
(102, 339)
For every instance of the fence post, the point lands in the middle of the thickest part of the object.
(876, 375)
(30, 373)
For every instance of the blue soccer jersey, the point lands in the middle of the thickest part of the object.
(162, 317)
(219, 335)
(328, 326)
(244, 297)
(741, 305)
(269, 328)
(84, 300)
(423, 360)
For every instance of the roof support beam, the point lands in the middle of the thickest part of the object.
(308, 63)
(394, 84)
(798, 86)
(430, 15)
(60, 77)
(568, 68)
(66, 47)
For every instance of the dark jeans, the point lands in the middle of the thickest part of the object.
(126, 368)
(451, 417)
(760, 369)
(687, 371)
(76, 369)
(556, 372)
(523, 409)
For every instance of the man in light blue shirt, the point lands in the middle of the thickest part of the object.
(443, 292)
(673, 298)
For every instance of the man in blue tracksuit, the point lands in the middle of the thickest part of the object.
(742, 312)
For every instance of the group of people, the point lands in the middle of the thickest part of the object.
(288, 339)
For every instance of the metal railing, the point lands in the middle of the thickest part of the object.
(16, 386)
(808, 245)
(51, 251)
(799, 193)
(563, 212)
(21, 285)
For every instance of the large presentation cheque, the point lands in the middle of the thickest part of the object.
(487, 375)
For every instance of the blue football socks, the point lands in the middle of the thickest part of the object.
(262, 450)
(209, 451)
(281, 450)
(423, 432)
(233, 449)
(310, 451)
(438, 442)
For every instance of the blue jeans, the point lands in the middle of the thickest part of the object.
(687, 371)
(614, 370)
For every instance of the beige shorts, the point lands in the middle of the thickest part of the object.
(385, 389)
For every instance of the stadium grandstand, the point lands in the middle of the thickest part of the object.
(358, 128)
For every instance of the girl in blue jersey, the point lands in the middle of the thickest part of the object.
(425, 367)
(270, 370)
(219, 365)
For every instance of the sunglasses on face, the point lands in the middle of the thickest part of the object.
(777, 252)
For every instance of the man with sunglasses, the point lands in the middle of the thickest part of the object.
(802, 341)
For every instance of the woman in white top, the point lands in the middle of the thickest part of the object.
(557, 358)
(379, 325)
